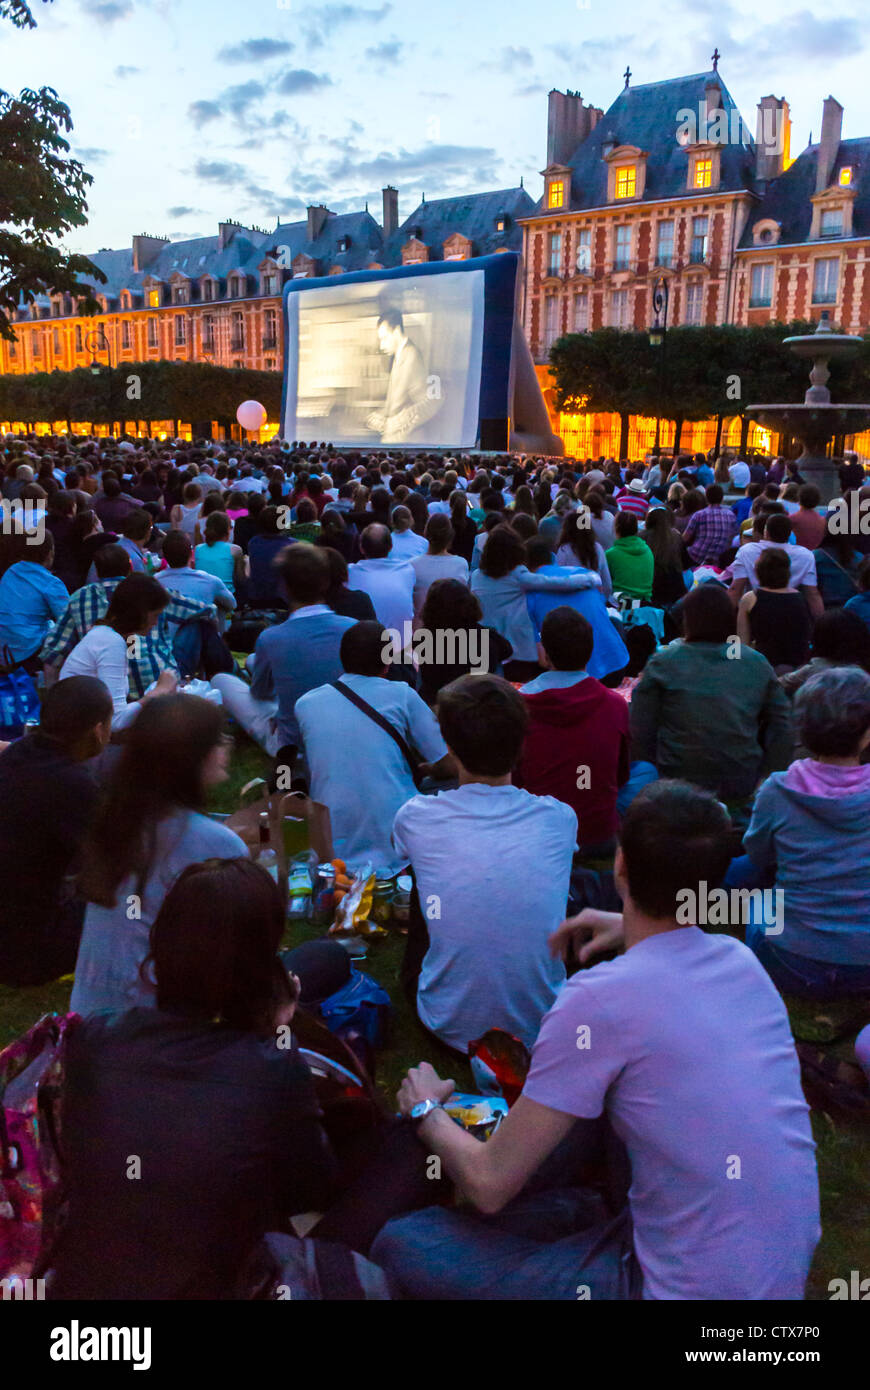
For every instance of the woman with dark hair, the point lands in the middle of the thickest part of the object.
(150, 826)
(837, 563)
(699, 714)
(217, 555)
(501, 585)
(669, 555)
(577, 545)
(524, 502)
(464, 529)
(451, 613)
(774, 618)
(693, 500)
(436, 562)
(419, 510)
(147, 488)
(809, 837)
(104, 651)
(348, 603)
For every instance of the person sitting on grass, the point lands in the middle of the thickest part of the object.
(630, 560)
(684, 1044)
(774, 618)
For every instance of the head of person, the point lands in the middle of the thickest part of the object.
(624, 525)
(113, 562)
(714, 494)
(135, 606)
(304, 574)
(137, 525)
(674, 839)
(538, 553)
(213, 950)
(773, 568)
(566, 637)
(439, 534)
(191, 494)
(842, 638)
(503, 551)
(111, 486)
(217, 528)
(450, 604)
(483, 721)
(376, 542)
(832, 713)
(809, 497)
(76, 717)
(39, 548)
(390, 331)
(306, 512)
(365, 649)
(402, 519)
(176, 549)
(708, 615)
(173, 753)
(777, 528)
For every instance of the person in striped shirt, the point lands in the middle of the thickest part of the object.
(90, 603)
(632, 498)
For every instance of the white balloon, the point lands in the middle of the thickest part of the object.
(251, 415)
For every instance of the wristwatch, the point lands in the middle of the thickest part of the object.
(423, 1108)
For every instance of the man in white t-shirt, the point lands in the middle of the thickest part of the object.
(739, 474)
(803, 564)
(389, 582)
(357, 769)
(492, 865)
(684, 1044)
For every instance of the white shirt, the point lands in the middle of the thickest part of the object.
(803, 563)
(389, 584)
(427, 568)
(102, 652)
(739, 473)
(492, 866)
(407, 544)
(357, 770)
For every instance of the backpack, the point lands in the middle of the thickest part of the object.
(31, 1075)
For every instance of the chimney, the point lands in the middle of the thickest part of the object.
(832, 133)
(391, 210)
(772, 137)
(568, 124)
(316, 221)
(146, 249)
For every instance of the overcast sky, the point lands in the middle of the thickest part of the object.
(191, 111)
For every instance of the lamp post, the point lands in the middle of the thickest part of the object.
(658, 334)
(97, 341)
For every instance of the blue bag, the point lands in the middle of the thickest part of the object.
(19, 701)
(361, 1006)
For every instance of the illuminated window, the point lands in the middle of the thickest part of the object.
(665, 243)
(826, 275)
(153, 299)
(703, 173)
(831, 223)
(555, 193)
(554, 253)
(626, 182)
(845, 178)
(79, 347)
(761, 287)
(694, 303)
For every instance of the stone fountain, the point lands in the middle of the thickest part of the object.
(818, 420)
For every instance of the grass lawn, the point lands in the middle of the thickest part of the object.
(842, 1145)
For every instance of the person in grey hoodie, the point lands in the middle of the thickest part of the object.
(810, 836)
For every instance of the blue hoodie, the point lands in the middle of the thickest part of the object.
(820, 849)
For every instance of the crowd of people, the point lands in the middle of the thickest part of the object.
(568, 697)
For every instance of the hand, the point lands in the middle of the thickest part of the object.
(376, 421)
(422, 1083)
(599, 931)
(166, 683)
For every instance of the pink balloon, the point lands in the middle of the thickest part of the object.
(251, 415)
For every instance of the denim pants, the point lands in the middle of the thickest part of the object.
(553, 1245)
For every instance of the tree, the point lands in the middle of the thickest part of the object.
(42, 196)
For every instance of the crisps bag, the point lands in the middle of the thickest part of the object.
(31, 1075)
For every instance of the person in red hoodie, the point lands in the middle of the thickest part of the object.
(577, 742)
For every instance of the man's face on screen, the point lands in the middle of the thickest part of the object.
(388, 338)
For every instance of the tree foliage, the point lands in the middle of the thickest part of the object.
(42, 196)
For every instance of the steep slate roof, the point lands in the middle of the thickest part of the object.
(472, 214)
(365, 236)
(787, 199)
(647, 116)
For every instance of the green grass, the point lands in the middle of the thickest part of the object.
(842, 1145)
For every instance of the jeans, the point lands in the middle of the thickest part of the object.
(556, 1245)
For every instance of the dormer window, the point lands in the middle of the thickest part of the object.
(831, 222)
(208, 291)
(702, 174)
(344, 243)
(626, 181)
(845, 178)
(270, 281)
(556, 193)
(152, 298)
(501, 222)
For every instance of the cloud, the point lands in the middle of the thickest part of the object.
(91, 154)
(182, 211)
(220, 171)
(437, 164)
(255, 51)
(125, 71)
(511, 58)
(796, 38)
(319, 24)
(107, 11)
(300, 81)
(386, 54)
(201, 112)
(533, 89)
(235, 101)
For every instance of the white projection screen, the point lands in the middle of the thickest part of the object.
(393, 362)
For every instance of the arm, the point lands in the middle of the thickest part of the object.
(180, 608)
(735, 591)
(240, 565)
(578, 579)
(744, 632)
(813, 598)
(759, 842)
(262, 685)
(61, 640)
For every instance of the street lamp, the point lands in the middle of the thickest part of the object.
(658, 338)
(97, 341)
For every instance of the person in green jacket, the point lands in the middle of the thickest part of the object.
(708, 708)
(629, 559)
